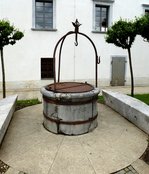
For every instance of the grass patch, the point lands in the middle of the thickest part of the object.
(101, 99)
(143, 97)
(25, 103)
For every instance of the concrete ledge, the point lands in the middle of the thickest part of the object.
(134, 110)
(7, 108)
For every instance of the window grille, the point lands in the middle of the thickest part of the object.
(147, 11)
(101, 17)
(44, 14)
(47, 68)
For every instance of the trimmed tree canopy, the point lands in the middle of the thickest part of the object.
(8, 34)
(142, 27)
(121, 34)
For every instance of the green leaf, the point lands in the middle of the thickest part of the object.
(142, 26)
(121, 34)
(8, 33)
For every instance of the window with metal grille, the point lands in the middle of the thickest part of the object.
(147, 11)
(47, 68)
(101, 17)
(44, 14)
(145, 8)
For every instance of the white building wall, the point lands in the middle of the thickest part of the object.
(22, 60)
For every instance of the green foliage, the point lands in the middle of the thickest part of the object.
(101, 99)
(8, 34)
(121, 34)
(25, 103)
(143, 97)
(142, 27)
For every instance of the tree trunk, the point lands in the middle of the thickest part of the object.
(131, 73)
(3, 73)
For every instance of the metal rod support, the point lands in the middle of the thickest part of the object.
(61, 42)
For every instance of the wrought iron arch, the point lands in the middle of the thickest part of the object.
(61, 42)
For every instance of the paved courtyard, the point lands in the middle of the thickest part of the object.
(115, 146)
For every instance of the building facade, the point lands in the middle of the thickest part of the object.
(28, 63)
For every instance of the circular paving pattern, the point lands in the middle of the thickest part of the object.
(113, 145)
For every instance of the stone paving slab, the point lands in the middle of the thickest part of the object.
(141, 167)
(113, 146)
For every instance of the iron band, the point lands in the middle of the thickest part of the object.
(58, 121)
(69, 102)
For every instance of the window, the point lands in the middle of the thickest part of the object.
(102, 12)
(101, 18)
(146, 11)
(145, 8)
(47, 68)
(44, 14)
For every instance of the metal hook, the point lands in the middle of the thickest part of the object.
(76, 43)
(98, 62)
(76, 40)
(76, 24)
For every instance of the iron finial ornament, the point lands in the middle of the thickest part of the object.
(76, 24)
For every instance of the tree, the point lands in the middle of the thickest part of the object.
(122, 34)
(8, 35)
(142, 27)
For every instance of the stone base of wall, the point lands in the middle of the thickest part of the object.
(37, 84)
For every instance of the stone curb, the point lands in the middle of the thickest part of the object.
(134, 110)
(7, 108)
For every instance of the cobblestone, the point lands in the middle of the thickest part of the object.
(22, 173)
(3, 167)
(127, 170)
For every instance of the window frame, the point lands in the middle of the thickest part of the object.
(145, 7)
(34, 18)
(108, 4)
(146, 11)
